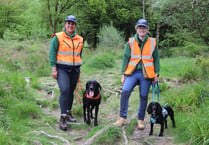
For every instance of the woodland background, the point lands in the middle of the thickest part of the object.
(173, 22)
(29, 110)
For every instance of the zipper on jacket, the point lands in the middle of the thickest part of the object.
(73, 52)
(70, 47)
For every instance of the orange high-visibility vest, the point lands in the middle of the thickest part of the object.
(145, 56)
(69, 50)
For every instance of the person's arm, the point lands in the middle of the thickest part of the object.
(53, 51)
(126, 57)
(156, 64)
(53, 55)
(82, 50)
(156, 61)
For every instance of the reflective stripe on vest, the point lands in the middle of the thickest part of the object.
(69, 50)
(146, 56)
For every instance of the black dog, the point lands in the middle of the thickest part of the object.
(159, 115)
(91, 100)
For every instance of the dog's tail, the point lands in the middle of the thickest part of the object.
(166, 104)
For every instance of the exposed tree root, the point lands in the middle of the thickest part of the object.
(75, 123)
(124, 136)
(91, 140)
(36, 142)
(53, 136)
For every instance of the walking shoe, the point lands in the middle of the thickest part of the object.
(140, 124)
(70, 117)
(63, 123)
(121, 122)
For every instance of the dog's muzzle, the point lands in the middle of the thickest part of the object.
(91, 93)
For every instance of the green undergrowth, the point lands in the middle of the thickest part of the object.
(110, 136)
(184, 85)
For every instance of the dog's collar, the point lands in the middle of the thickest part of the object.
(97, 97)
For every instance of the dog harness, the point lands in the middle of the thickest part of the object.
(153, 120)
(97, 97)
(164, 112)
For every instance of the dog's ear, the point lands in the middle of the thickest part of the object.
(87, 84)
(149, 108)
(99, 86)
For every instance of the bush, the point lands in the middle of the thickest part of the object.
(5, 138)
(26, 56)
(101, 61)
(12, 35)
(199, 70)
(198, 127)
(191, 74)
(110, 37)
(165, 53)
(203, 63)
(183, 99)
(191, 49)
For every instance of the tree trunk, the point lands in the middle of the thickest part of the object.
(143, 8)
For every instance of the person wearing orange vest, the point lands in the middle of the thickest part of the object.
(65, 59)
(141, 67)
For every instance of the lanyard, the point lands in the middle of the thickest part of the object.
(153, 91)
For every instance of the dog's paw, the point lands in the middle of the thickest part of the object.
(161, 134)
(150, 133)
(95, 124)
(88, 122)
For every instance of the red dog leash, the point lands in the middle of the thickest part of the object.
(79, 97)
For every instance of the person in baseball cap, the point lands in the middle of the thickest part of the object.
(140, 66)
(65, 59)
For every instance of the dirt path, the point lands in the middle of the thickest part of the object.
(142, 137)
(78, 136)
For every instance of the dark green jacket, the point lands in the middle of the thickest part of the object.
(127, 56)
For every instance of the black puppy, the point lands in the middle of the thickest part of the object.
(159, 115)
(91, 100)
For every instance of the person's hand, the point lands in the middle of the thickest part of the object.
(54, 72)
(122, 79)
(155, 80)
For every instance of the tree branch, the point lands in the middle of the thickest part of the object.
(205, 39)
(50, 16)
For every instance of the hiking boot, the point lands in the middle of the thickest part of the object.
(140, 124)
(63, 123)
(70, 117)
(121, 122)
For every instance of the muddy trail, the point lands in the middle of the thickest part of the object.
(108, 113)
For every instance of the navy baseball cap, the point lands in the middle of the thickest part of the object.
(142, 22)
(71, 18)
